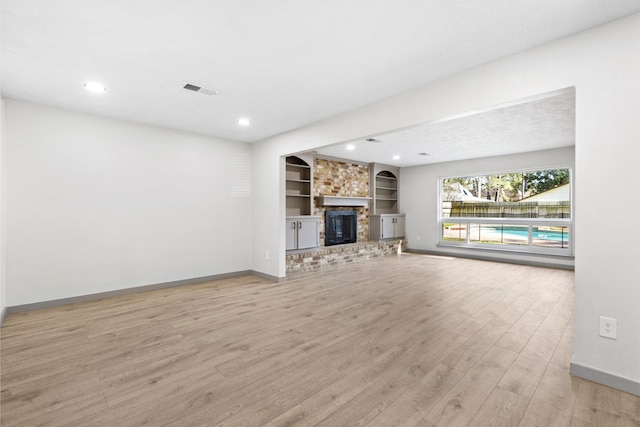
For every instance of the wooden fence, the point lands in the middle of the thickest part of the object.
(543, 209)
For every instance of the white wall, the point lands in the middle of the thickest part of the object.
(269, 205)
(3, 287)
(604, 66)
(607, 135)
(419, 195)
(96, 204)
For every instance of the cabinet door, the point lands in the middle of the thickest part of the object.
(307, 233)
(292, 234)
(399, 226)
(387, 227)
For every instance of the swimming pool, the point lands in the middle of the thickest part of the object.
(552, 235)
(509, 235)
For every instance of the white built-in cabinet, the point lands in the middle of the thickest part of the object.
(386, 226)
(303, 230)
(385, 222)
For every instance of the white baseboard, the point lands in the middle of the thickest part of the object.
(606, 378)
(269, 277)
(120, 292)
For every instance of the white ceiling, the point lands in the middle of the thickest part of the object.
(540, 123)
(282, 63)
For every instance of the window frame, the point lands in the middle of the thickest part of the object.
(530, 248)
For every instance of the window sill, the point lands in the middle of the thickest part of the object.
(525, 251)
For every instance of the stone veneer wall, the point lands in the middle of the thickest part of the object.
(315, 259)
(338, 178)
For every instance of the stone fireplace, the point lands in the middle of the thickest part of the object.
(343, 187)
(343, 179)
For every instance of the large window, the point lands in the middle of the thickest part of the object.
(528, 211)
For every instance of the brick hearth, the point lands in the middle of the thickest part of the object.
(313, 259)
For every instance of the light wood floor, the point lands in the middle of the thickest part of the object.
(410, 340)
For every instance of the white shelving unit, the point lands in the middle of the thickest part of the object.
(303, 230)
(383, 187)
(385, 221)
(386, 193)
(299, 178)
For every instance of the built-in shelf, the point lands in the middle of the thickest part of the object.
(384, 189)
(303, 230)
(298, 186)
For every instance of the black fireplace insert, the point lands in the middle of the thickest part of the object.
(340, 227)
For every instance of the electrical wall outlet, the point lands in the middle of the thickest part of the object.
(266, 255)
(608, 327)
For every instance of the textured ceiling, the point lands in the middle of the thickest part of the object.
(544, 122)
(283, 63)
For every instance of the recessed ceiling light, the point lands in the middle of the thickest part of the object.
(375, 141)
(423, 154)
(351, 147)
(244, 122)
(95, 87)
(396, 157)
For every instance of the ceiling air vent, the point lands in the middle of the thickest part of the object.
(199, 89)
